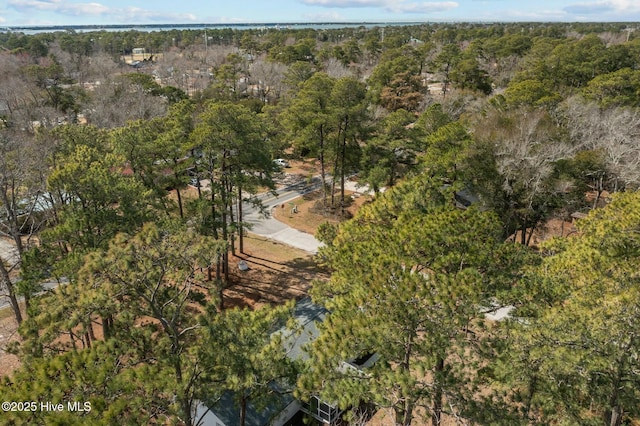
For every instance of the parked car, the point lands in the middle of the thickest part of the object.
(281, 162)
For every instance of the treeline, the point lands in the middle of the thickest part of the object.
(526, 121)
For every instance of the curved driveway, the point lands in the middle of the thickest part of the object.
(271, 228)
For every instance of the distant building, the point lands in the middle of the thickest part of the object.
(139, 51)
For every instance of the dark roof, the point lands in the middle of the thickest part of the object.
(306, 313)
(465, 198)
(228, 411)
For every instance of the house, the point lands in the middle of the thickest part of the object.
(284, 410)
(225, 412)
(465, 198)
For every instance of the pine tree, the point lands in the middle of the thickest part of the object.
(249, 356)
(578, 332)
(411, 275)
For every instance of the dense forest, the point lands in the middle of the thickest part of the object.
(473, 137)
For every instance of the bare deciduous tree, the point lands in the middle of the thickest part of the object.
(23, 205)
(116, 101)
(336, 69)
(267, 78)
(614, 131)
(524, 146)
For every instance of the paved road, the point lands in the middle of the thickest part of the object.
(46, 286)
(273, 229)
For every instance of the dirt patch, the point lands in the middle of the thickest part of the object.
(385, 417)
(304, 218)
(550, 229)
(277, 273)
(303, 167)
(8, 334)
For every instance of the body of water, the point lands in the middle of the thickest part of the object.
(167, 27)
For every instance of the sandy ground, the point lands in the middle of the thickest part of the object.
(277, 273)
(8, 362)
(305, 220)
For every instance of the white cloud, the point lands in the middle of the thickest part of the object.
(393, 6)
(540, 15)
(607, 6)
(58, 6)
(129, 14)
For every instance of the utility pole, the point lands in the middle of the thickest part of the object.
(206, 47)
(629, 30)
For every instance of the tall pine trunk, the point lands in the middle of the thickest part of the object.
(13, 299)
(404, 413)
(323, 172)
(177, 180)
(220, 284)
(532, 388)
(615, 409)
(224, 197)
(180, 203)
(240, 225)
(213, 210)
(342, 166)
(438, 396)
(232, 233)
(336, 167)
(14, 230)
(27, 303)
(92, 334)
(523, 232)
(107, 326)
(183, 399)
(243, 410)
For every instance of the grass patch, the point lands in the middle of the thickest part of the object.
(6, 313)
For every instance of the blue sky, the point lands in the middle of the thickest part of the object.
(81, 12)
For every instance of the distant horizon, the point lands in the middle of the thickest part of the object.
(36, 29)
(299, 23)
(233, 24)
(67, 13)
